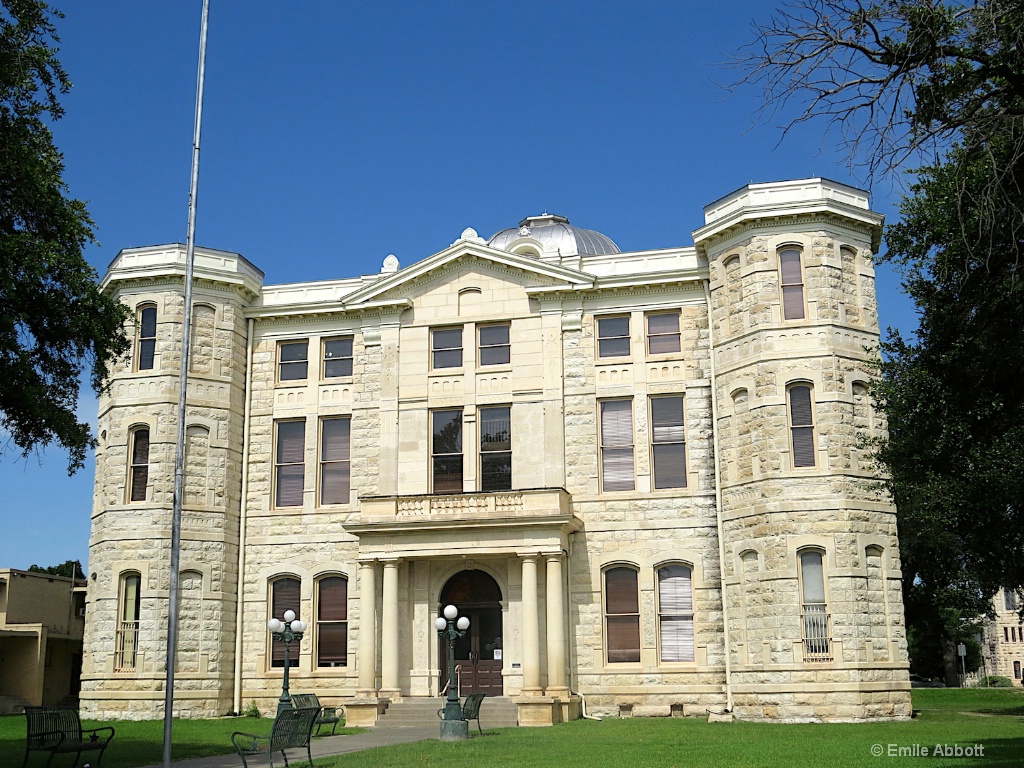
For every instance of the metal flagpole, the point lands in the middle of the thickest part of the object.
(179, 452)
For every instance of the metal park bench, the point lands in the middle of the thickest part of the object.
(327, 716)
(59, 730)
(292, 729)
(470, 709)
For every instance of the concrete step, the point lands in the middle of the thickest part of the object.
(495, 712)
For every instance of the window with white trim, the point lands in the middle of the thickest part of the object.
(145, 339)
(814, 611)
(293, 360)
(332, 622)
(290, 463)
(445, 348)
(663, 333)
(668, 442)
(284, 596)
(127, 640)
(613, 336)
(337, 357)
(495, 345)
(801, 424)
(138, 477)
(617, 445)
(675, 612)
(335, 460)
(622, 615)
(446, 451)
(495, 448)
(792, 280)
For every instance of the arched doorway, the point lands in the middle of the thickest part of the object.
(478, 655)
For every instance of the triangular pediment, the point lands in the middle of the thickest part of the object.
(412, 279)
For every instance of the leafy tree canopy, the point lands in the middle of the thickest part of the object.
(69, 569)
(53, 320)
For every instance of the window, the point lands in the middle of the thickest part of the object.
(496, 449)
(284, 597)
(813, 608)
(127, 642)
(801, 422)
(1010, 600)
(668, 442)
(613, 337)
(617, 445)
(335, 460)
(289, 464)
(139, 479)
(495, 348)
(146, 338)
(337, 358)
(446, 451)
(622, 615)
(792, 284)
(1016, 670)
(446, 348)
(675, 613)
(293, 360)
(663, 333)
(1006, 634)
(332, 622)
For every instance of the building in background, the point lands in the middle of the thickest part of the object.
(1003, 638)
(639, 474)
(41, 622)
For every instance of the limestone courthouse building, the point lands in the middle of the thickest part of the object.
(641, 476)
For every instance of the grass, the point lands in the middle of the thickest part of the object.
(992, 718)
(140, 742)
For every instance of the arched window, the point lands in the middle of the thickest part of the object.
(792, 279)
(284, 596)
(129, 603)
(145, 337)
(801, 423)
(622, 615)
(813, 608)
(675, 612)
(138, 480)
(332, 622)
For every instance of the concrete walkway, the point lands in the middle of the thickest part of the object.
(379, 736)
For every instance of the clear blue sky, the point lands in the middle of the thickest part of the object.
(337, 133)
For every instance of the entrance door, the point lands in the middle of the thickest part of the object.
(478, 654)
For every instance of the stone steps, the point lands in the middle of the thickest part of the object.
(495, 712)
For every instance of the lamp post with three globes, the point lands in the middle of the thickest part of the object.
(286, 631)
(453, 726)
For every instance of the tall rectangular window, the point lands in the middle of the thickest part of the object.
(293, 360)
(146, 339)
(801, 422)
(139, 478)
(285, 594)
(792, 284)
(813, 608)
(495, 346)
(1010, 599)
(332, 622)
(337, 358)
(613, 337)
(663, 333)
(675, 613)
(668, 442)
(335, 460)
(289, 463)
(617, 445)
(446, 348)
(622, 615)
(496, 449)
(446, 451)
(127, 641)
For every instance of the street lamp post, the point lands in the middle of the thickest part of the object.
(286, 631)
(453, 726)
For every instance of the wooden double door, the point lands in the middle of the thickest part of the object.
(478, 653)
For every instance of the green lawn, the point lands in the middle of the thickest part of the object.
(991, 718)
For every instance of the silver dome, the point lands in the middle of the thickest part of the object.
(549, 228)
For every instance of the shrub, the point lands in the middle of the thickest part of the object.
(252, 710)
(995, 681)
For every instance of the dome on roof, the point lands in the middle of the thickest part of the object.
(552, 232)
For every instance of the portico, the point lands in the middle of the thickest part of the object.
(496, 556)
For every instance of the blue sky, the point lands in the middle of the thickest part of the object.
(337, 133)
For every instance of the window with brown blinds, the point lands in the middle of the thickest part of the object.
(285, 595)
(792, 284)
(140, 465)
(290, 467)
(663, 333)
(622, 615)
(668, 442)
(332, 622)
(146, 339)
(801, 422)
(675, 613)
(617, 445)
(335, 460)
(446, 451)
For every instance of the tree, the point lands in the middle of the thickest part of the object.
(69, 569)
(53, 319)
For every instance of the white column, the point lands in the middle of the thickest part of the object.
(555, 626)
(531, 629)
(367, 630)
(389, 632)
